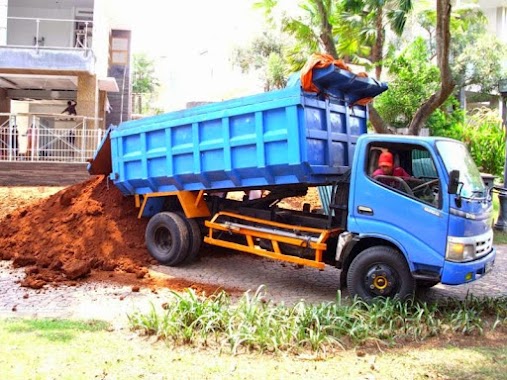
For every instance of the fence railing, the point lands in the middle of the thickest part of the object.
(81, 32)
(47, 137)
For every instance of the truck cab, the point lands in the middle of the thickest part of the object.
(433, 227)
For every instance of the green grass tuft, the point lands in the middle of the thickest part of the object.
(56, 330)
(254, 324)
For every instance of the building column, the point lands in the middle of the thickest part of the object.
(87, 99)
(5, 105)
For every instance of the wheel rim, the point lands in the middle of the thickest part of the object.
(163, 239)
(381, 280)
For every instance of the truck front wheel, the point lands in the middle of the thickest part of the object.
(166, 238)
(380, 271)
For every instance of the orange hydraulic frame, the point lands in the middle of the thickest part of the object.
(310, 239)
(254, 229)
(192, 202)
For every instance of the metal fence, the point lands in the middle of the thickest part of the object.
(42, 139)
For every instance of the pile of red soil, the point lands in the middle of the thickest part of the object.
(85, 227)
(89, 229)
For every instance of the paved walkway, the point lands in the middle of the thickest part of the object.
(283, 283)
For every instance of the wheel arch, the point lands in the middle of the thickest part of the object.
(359, 244)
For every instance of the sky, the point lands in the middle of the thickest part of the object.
(191, 43)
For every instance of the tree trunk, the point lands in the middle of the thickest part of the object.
(376, 53)
(376, 120)
(443, 37)
(326, 29)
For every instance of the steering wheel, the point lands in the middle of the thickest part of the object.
(425, 185)
(400, 183)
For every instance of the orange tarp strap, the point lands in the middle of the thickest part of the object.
(319, 61)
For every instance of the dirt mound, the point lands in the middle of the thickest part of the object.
(85, 227)
(88, 230)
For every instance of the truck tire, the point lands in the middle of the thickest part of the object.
(380, 271)
(194, 239)
(166, 238)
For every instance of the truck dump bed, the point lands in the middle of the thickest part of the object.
(276, 138)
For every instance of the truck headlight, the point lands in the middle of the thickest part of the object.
(458, 251)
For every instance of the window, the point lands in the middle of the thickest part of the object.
(407, 169)
(119, 51)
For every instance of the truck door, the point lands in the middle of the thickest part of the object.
(406, 211)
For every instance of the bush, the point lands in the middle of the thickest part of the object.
(485, 138)
(483, 134)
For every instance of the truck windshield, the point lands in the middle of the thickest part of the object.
(456, 157)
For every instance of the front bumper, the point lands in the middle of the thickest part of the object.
(461, 273)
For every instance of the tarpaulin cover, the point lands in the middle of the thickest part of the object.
(324, 74)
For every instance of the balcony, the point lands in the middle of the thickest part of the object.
(48, 45)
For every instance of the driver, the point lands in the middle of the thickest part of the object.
(386, 167)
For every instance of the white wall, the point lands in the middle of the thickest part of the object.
(501, 23)
(101, 32)
(3, 22)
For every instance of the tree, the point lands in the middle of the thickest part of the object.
(315, 27)
(264, 55)
(447, 84)
(481, 72)
(319, 23)
(374, 16)
(144, 81)
(413, 79)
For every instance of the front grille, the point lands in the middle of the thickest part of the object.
(483, 245)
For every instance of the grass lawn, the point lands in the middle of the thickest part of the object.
(61, 349)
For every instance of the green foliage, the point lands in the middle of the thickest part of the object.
(485, 138)
(144, 85)
(350, 29)
(413, 81)
(483, 134)
(255, 324)
(469, 36)
(448, 121)
(144, 80)
(481, 70)
(265, 56)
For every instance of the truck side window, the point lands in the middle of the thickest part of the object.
(425, 172)
(408, 170)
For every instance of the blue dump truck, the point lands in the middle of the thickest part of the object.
(388, 235)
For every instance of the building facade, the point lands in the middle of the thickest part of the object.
(54, 53)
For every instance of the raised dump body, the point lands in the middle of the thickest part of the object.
(276, 138)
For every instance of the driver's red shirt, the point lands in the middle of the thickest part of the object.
(397, 172)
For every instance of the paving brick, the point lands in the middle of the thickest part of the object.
(282, 282)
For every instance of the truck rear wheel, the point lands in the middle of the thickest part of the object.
(166, 238)
(194, 239)
(380, 271)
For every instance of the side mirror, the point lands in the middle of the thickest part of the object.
(453, 182)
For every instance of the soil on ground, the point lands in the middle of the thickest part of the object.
(86, 231)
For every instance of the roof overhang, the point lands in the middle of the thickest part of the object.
(108, 84)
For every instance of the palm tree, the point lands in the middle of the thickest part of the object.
(366, 21)
(312, 29)
(371, 18)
